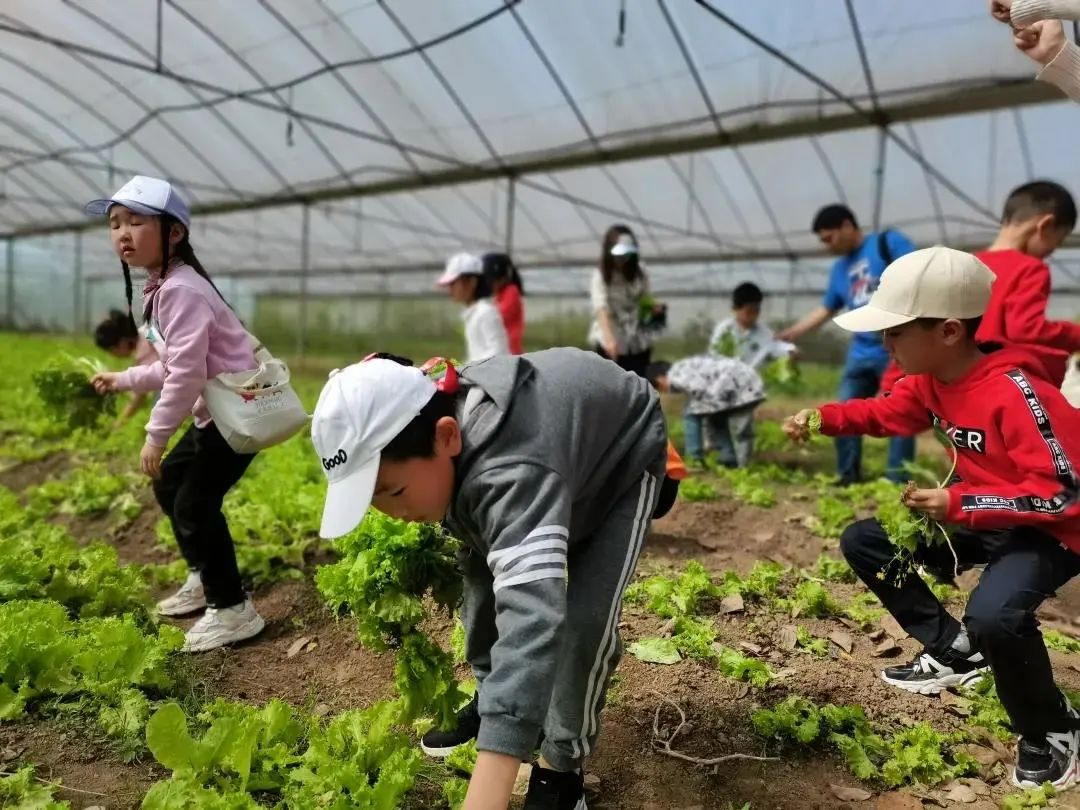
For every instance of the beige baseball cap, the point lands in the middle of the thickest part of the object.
(935, 282)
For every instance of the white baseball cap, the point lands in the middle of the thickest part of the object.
(625, 246)
(935, 282)
(360, 411)
(461, 264)
(145, 195)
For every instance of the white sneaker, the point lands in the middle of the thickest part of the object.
(189, 599)
(221, 626)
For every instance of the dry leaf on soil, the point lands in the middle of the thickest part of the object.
(297, 646)
(732, 604)
(892, 627)
(842, 640)
(850, 794)
(788, 637)
(959, 792)
(886, 647)
(986, 757)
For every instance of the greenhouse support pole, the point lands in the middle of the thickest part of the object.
(879, 176)
(511, 194)
(789, 300)
(76, 313)
(88, 302)
(10, 287)
(305, 266)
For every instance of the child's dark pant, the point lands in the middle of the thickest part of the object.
(1023, 567)
(195, 476)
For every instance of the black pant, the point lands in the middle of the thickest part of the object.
(194, 479)
(636, 363)
(1023, 567)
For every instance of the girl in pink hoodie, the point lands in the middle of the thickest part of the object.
(196, 336)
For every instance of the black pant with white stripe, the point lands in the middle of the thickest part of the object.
(598, 570)
(1023, 567)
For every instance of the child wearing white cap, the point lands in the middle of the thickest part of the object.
(548, 467)
(1013, 501)
(485, 333)
(196, 336)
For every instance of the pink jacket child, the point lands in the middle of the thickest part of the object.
(196, 336)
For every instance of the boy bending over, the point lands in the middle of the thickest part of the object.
(548, 467)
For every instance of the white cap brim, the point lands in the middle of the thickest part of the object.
(448, 278)
(98, 207)
(871, 319)
(347, 501)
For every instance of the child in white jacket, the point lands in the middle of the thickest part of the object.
(485, 334)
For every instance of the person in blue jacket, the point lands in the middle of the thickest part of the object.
(861, 259)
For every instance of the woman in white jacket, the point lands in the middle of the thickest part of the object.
(485, 335)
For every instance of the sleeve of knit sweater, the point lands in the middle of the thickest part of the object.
(1063, 71)
(1025, 12)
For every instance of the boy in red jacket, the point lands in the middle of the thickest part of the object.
(1037, 218)
(1013, 499)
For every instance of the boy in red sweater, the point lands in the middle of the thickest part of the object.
(1013, 500)
(1037, 218)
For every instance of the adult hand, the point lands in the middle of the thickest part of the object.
(611, 348)
(150, 460)
(1001, 10)
(105, 382)
(797, 427)
(1041, 41)
(931, 502)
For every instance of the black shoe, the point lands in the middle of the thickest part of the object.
(928, 675)
(1050, 759)
(555, 790)
(442, 743)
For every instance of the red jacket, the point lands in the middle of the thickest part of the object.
(893, 374)
(1016, 437)
(508, 300)
(1016, 314)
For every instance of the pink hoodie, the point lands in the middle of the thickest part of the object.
(196, 337)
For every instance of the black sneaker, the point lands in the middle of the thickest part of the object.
(927, 675)
(442, 743)
(1052, 759)
(555, 790)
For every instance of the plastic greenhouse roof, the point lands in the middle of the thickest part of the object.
(409, 128)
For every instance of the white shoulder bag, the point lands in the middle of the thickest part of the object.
(255, 409)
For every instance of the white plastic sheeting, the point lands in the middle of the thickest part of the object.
(401, 125)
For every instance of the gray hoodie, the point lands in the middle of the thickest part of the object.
(550, 441)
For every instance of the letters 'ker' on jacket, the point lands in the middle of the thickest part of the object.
(1016, 437)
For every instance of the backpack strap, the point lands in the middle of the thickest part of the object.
(883, 247)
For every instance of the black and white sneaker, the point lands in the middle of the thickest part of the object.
(442, 743)
(555, 790)
(1052, 759)
(927, 675)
